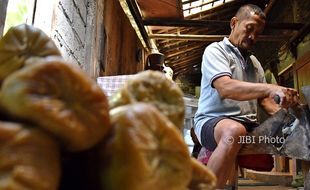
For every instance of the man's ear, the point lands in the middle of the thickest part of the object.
(233, 22)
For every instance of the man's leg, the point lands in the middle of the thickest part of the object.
(226, 134)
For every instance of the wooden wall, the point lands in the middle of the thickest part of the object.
(121, 42)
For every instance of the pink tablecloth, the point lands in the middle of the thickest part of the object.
(110, 84)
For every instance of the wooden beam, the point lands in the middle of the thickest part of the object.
(186, 68)
(168, 46)
(281, 178)
(186, 55)
(180, 61)
(177, 63)
(297, 38)
(185, 23)
(181, 72)
(214, 23)
(3, 8)
(190, 63)
(172, 46)
(269, 7)
(181, 45)
(133, 7)
(192, 31)
(180, 52)
(212, 38)
(184, 51)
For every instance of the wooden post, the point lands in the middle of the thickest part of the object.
(95, 39)
(3, 7)
(292, 167)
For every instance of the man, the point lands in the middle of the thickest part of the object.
(232, 84)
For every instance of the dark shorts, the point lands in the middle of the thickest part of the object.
(207, 131)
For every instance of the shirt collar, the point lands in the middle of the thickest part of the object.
(236, 50)
(229, 44)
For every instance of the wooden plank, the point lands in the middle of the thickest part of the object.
(95, 40)
(186, 62)
(122, 43)
(215, 23)
(189, 65)
(183, 64)
(168, 49)
(183, 71)
(170, 30)
(277, 178)
(279, 163)
(192, 54)
(212, 38)
(178, 65)
(184, 50)
(185, 23)
(168, 9)
(203, 31)
(292, 167)
(297, 38)
(3, 8)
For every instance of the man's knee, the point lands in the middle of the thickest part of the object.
(229, 129)
(235, 130)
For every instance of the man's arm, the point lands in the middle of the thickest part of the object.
(239, 90)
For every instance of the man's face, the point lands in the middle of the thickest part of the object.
(244, 32)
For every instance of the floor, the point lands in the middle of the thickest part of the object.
(245, 184)
(268, 188)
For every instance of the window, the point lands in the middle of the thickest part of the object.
(196, 6)
(18, 12)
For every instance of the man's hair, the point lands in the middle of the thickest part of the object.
(246, 11)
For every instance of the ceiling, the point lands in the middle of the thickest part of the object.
(181, 29)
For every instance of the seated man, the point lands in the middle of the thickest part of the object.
(232, 83)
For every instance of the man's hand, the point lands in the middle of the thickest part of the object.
(288, 96)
